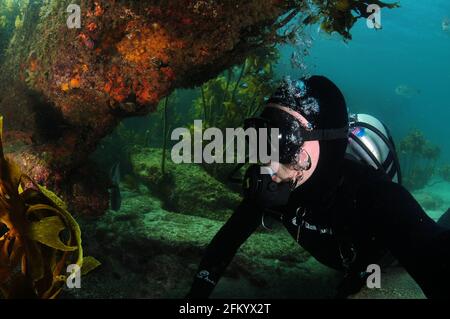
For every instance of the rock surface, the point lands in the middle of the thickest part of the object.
(64, 89)
(185, 188)
(148, 252)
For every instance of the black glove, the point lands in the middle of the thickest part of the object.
(201, 289)
(261, 189)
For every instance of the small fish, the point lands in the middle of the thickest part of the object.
(446, 25)
(406, 91)
(244, 85)
(115, 195)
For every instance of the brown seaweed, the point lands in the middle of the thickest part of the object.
(33, 255)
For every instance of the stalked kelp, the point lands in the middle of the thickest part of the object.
(237, 94)
(11, 17)
(40, 238)
(418, 159)
(339, 15)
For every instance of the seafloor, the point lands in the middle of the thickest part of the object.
(148, 251)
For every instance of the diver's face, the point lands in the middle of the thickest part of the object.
(284, 173)
(303, 168)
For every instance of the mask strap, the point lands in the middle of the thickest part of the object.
(313, 135)
(304, 122)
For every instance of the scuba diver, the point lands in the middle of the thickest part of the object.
(345, 213)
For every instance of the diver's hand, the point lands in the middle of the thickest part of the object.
(200, 289)
(202, 286)
(259, 188)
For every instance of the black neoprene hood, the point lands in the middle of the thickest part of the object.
(316, 98)
(323, 105)
(319, 101)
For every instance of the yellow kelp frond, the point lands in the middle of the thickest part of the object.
(52, 196)
(41, 239)
(89, 264)
(46, 231)
(20, 189)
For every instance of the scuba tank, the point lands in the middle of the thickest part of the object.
(370, 142)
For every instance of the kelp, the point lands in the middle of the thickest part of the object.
(418, 157)
(340, 15)
(40, 237)
(11, 18)
(237, 94)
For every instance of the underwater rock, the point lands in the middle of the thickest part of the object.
(396, 283)
(186, 188)
(444, 172)
(429, 201)
(148, 252)
(126, 57)
(84, 188)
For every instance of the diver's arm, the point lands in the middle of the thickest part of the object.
(223, 247)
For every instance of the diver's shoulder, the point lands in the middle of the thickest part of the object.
(361, 172)
(365, 180)
(375, 185)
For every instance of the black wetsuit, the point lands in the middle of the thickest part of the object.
(347, 215)
(349, 226)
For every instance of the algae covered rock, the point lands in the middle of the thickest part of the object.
(149, 252)
(185, 188)
(429, 201)
(124, 59)
(126, 56)
(445, 172)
